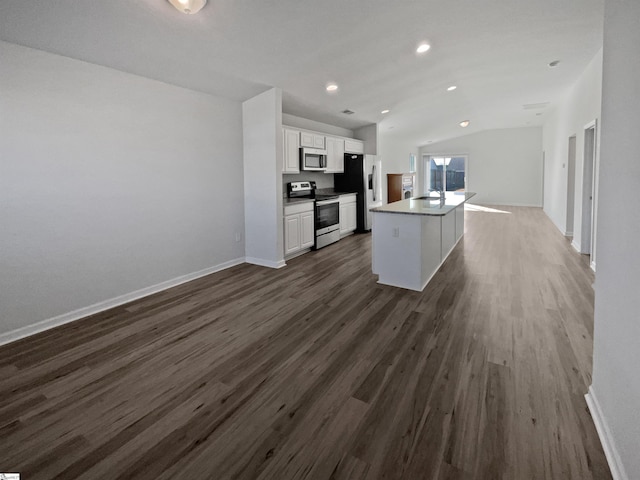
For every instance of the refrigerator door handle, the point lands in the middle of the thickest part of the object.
(374, 183)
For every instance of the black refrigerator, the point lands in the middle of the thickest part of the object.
(361, 175)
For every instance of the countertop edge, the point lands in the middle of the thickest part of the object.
(434, 213)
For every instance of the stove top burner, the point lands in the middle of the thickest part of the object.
(320, 196)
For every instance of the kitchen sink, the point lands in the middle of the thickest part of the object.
(427, 197)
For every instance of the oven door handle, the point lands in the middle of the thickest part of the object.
(326, 202)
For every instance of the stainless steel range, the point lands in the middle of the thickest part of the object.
(327, 212)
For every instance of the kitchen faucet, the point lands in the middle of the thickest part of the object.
(439, 192)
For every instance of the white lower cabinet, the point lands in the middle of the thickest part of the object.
(291, 234)
(298, 227)
(307, 231)
(348, 214)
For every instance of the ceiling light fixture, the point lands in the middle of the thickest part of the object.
(451, 88)
(384, 111)
(464, 123)
(188, 6)
(332, 87)
(423, 47)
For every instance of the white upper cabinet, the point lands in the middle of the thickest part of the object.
(335, 155)
(312, 140)
(290, 151)
(353, 146)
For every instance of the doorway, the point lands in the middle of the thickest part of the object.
(444, 173)
(571, 185)
(587, 240)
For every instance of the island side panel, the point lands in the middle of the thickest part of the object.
(431, 248)
(396, 259)
(459, 222)
(448, 234)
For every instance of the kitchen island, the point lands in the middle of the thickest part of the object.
(412, 238)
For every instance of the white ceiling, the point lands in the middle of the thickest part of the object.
(495, 51)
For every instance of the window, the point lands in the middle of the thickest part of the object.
(445, 172)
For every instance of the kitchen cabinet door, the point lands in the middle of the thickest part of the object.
(352, 216)
(312, 140)
(291, 233)
(344, 228)
(307, 230)
(335, 155)
(291, 151)
(348, 214)
(353, 146)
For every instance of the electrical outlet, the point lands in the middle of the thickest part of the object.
(396, 231)
(238, 236)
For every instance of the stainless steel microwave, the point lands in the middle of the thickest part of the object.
(313, 159)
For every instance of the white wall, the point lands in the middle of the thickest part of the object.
(394, 151)
(323, 180)
(616, 357)
(581, 105)
(369, 135)
(504, 166)
(306, 124)
(262, 141)
(109, 183)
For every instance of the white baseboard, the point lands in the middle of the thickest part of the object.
(507, 204)
(593, 266)
(608, 444)
(576, 246)
(265, 263)
(568, 234)
(562, 231)
(58, 320)
(297, 254)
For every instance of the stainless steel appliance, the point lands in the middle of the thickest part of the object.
(327, 220)
(327, 212)
(362, 174)
(313, 159)
(408, 185)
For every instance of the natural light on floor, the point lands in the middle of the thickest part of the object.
(480, 208)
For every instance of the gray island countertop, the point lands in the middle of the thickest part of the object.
(426, 206)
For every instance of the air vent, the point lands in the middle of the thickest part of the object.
(348, 112)
(535, 106)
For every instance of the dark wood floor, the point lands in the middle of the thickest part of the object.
(315, 371)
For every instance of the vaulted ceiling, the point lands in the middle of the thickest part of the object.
(495, 51)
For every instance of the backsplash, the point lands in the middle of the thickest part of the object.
(323, 180)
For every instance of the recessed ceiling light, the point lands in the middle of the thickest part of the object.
(332, 87)
(384, 111)
(188, 6)
(464, 123)
(451, 88)
(423, 47)
(554, 63)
